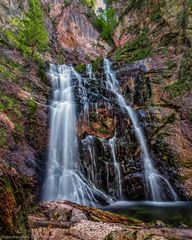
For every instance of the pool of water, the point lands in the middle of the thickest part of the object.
(173, 213)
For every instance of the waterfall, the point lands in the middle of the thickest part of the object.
(97, 176)
(116, 165)
(152, 176)
(64, 179)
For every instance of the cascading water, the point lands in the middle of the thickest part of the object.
(152, 176)
(116, 165)
(64, 179)
(97, 176)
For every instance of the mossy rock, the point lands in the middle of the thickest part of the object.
(80, 68)
(184, 83)
(3, 137)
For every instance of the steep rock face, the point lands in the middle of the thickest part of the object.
(101, 122)
(74, 32)
(162, 30)
(23, 136)
(167, 21)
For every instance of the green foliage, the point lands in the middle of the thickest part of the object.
(11, 105)
(103, 130)
(3, 136)
(66, 2)
(19, 128)
(155, 15)
(96, 63)
(93, 116)
(9, 69)
(136, 4)
(32, 105)
(28, 31)
(80, 68)
(106, 22)
(89, 3)
(189, 2)
(171, 64)
(135, 50)
(184, 83)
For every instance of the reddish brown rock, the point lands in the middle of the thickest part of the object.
(101, 124)
(76, 34)
(48, 221)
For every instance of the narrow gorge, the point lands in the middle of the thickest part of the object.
(95, 119)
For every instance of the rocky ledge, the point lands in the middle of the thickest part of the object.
(65, 220)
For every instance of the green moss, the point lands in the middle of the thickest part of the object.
(19, 128)
(42, 73)
(155, 15)
(135, 50)
(158, 79)
(32, 105)
(11, 105)
(103, 130)
(67, 2)
(80, 68)
(28, 32)
(93, 116)
(96, 64)
(3, 136)
(9, 69)
(171, 64)
(184, 83)
(167, 73)
(106, 22)
(89, 3)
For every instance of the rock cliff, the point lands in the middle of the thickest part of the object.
(154, 40)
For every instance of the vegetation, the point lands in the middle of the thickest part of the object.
(136, 49)
(3, 137)
(32, 105)
(28, 32)
(80, 68)
(106, 22)
(184, 83)
(96, 63)
(89, 3)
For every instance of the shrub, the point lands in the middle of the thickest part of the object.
(32, 105)
(89, 3)
(106, 22)
(29, 33)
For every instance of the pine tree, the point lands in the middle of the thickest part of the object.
(30, 33)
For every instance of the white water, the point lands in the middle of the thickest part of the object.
(152, 176)
(64, 179)
(89, 71)
(112, 142)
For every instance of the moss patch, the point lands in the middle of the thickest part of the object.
(3, 136)
(80, 68)
(184, 83)
(32, 105)
(135, 50)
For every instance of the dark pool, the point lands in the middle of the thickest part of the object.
(173, 213)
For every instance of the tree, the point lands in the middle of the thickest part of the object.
(30, 34)
(106, 22)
